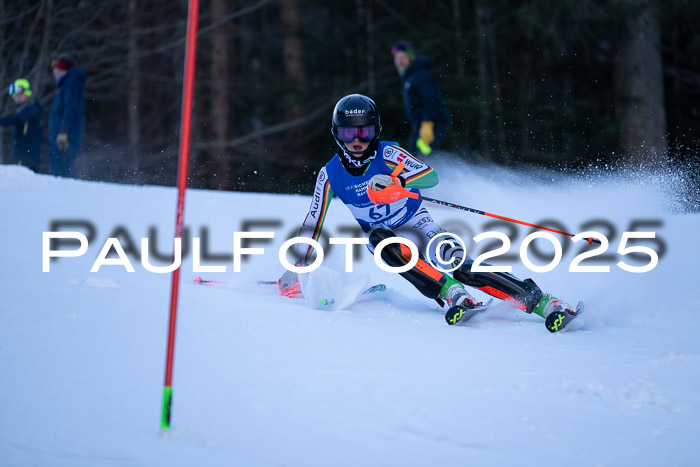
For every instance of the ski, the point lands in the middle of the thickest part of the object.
(457, 315)
(558, 320)
(373, 289)
(201, 281)
(327, 301)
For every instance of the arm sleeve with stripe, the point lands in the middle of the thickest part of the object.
(313, 223)
(416, 173)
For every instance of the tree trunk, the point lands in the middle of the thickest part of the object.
(525, 98)
(639, 89)
(369, 27)
(3, 79)
(497, 90)
(43, 61)
(220, 101)
(134, 90)
(483, 73)
(29, 35)
(459, 37)
(293, 57)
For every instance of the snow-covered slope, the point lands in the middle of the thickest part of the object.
(266, 380)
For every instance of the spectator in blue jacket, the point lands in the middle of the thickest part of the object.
(66, 119)
(28, 132)
(427, 114)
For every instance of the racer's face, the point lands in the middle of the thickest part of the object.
(357, 146)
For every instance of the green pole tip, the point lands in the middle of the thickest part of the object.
(167, 406)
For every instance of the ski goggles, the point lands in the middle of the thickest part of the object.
(347, 134)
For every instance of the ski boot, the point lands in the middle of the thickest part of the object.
(557, 313)
(457, 295)
(462, 306)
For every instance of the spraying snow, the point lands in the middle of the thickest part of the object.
(262, 379)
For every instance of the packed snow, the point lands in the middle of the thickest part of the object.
(261, 379)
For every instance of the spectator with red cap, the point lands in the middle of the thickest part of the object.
(66, 119)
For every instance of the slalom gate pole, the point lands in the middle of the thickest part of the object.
(496, 216)
(183, 165)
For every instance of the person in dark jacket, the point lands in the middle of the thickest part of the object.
(66, 119)
(27, 135)
(427, 114)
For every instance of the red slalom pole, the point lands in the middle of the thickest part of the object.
(182, 169)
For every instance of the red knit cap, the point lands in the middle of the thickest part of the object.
(62, 63)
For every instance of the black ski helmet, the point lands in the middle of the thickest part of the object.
(356, 110)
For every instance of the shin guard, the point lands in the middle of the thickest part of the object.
(423, 276)
(525, 294)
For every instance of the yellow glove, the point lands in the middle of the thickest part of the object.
(62, 141)
(426, 132)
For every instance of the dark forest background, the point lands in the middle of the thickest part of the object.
(566, 83)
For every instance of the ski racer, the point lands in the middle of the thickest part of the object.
(371, 177)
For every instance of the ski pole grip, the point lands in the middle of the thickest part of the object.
(407, 194)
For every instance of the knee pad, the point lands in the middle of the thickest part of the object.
(378, 234)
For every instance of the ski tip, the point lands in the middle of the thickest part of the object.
(459, 314)
(559, 320)
(454, 314)
(555, 321)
